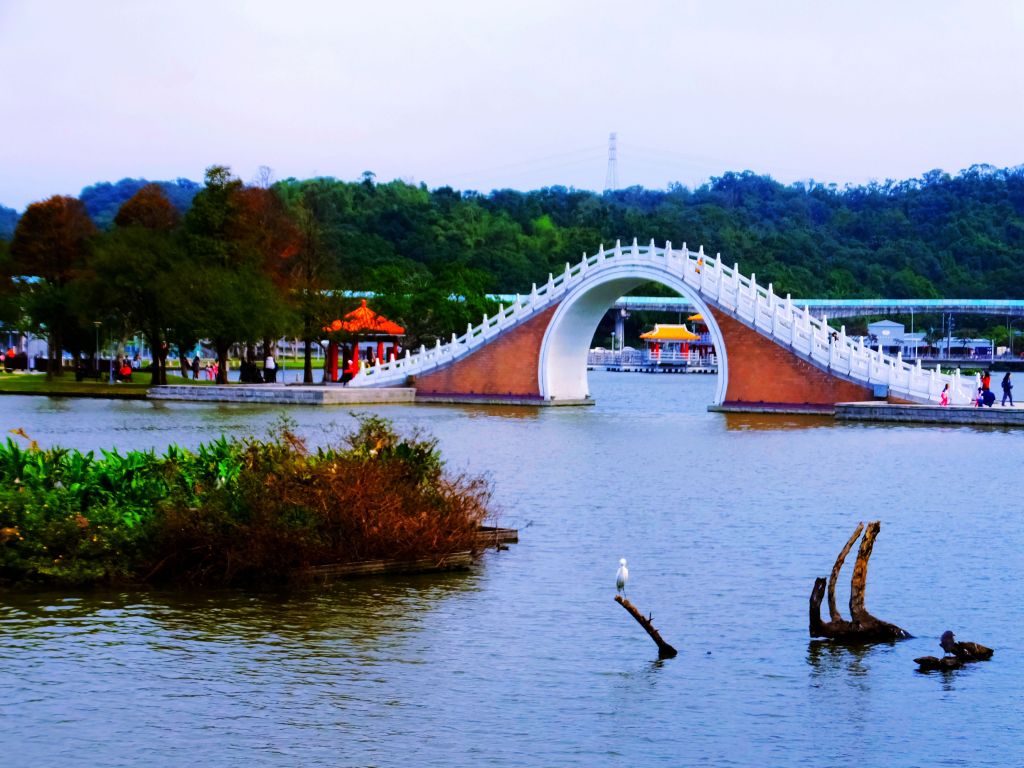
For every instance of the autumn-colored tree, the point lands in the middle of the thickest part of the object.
(149, 208)
(51, 239)
(265, 235)
(262, 228)
(51, 243)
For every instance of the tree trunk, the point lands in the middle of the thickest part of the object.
(222, 360)
(864, 628)
(307, 355)
(55, 363)
(158, 375)
(307, 362)
(158, 371)
(665, 651)
(183, 361)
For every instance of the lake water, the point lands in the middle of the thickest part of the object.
(526, 661)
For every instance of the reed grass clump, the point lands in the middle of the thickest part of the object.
(234, 511)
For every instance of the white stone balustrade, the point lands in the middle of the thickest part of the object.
(721, 287)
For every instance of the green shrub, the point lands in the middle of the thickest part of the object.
(233, 511)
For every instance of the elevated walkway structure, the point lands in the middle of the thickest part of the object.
(771, 351)
(837, 308)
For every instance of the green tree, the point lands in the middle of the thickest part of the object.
(136, 269)
(310, 276)
(8, 294)
(230, 290)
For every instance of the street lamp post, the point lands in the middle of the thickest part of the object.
(110, 379)
(1010, 331)
(96, 360)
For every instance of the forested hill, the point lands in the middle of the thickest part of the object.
(8, 221)
(959, 236)
(940, 235)
(103, 199)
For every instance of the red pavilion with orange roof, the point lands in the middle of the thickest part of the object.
(362, 324)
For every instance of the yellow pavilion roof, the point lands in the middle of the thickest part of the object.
(670, 333)
(698, 318)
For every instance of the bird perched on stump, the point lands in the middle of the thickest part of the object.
(959, 654)
(621, 576)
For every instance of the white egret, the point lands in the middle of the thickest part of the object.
(621, 577)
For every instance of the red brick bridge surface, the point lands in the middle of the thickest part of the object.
(761, 373)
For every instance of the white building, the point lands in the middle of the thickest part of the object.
(893, 338)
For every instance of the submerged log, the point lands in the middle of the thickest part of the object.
(943, 664)
(665, 651)
(863, 627)
(324, 574)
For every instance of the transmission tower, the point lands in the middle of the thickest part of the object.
(611, 178)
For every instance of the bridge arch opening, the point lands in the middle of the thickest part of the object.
(562, 369)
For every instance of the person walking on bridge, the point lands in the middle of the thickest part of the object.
(1007, 389)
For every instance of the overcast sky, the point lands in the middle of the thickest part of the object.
(480, 94)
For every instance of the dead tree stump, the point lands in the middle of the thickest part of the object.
(940, 663)
(863, 627)
(665, 651)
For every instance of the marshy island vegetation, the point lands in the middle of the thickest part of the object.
(235, 511)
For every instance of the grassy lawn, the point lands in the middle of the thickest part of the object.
(38, 384)
(293, 365)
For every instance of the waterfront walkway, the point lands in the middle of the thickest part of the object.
(280, 394)
(1010, 416)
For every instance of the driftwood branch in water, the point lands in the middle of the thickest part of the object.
(863, 628)
(833, 612)
(665, 651)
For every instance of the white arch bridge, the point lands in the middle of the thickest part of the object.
(539, 341)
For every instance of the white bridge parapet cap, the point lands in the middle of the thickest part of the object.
(721, 287)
